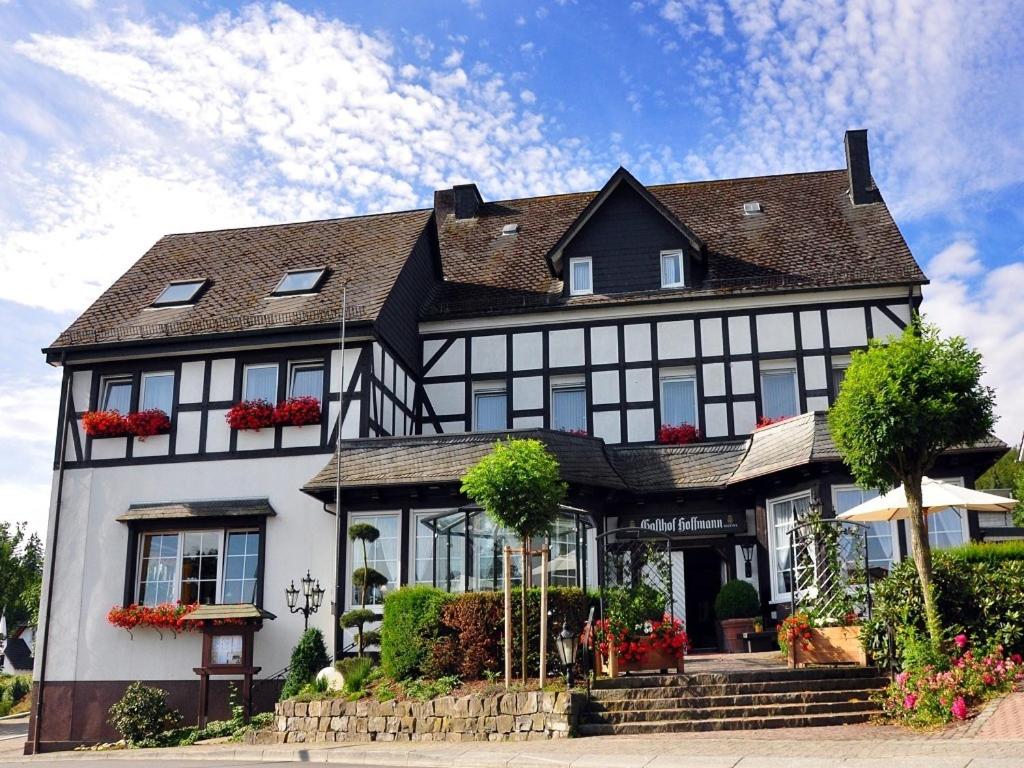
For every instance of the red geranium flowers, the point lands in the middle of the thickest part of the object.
(257, 414)
(142, 424)
(163, 616)
(250, 414)
(680, 434)
(297, 412)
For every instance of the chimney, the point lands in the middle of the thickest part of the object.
(858, 169)
(463, 200)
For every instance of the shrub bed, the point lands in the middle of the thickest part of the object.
(13, 688)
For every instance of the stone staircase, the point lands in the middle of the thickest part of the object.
(724, 701)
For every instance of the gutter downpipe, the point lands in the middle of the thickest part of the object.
(32, 746)
(338, 584)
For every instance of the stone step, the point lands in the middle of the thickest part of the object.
(744, 676)
(726, 724)
(736, 700)
(679, 688)
(727, 713)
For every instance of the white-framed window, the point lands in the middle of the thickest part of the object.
(260, 382)
(300, 281)
(672, 275)
(490, 404)
(679, 398)
(306, 379)
(783, 513)
(423, 550)
(779, 397)
(569, 406)
(382, 555)
(581, 276)
(157, 391)
(948, 527)
(204, 566)
(116, 393)
(882, 535)
(179, 292)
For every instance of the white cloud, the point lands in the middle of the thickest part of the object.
(989, 313)
(453, 59)
(17, 499)
(528, 97)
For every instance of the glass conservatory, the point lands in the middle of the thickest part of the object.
(468, 549)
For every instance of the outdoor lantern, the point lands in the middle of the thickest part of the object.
(748, 554)
(307, 584)
(291, 594)
(318, 594)
(814, 508)
(567, 644)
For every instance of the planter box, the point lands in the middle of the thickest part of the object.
(732, 634)
(830, 645)
(654, 661)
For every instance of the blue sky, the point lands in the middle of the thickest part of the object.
(120, 122)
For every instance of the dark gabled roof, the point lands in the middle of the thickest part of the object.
(554, 256)
(18, 656)
(243, 266)
(440, 459)
(810, 235)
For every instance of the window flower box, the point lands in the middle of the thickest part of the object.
(148, 423)
(680, 434)
(250, 414)
(766, 421)
(297, 412)
(163, 616)
(105, 424)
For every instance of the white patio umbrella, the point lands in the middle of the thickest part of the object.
(935, 496)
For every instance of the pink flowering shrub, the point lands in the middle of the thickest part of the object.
(934, 694)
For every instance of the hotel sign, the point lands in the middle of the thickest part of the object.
(690, 524)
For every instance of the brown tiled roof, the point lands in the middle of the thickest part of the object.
(809, 236)
(672, 467)
(244, 266)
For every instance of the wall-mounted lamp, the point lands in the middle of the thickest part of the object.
(748, 554)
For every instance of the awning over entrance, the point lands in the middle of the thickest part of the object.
(196, 510)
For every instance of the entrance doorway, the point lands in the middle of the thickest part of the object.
(702, 570)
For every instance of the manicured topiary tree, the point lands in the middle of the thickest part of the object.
(737, 599)
(519, 486)
(901, 405)
(366, 578)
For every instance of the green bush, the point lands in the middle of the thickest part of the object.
(308, 658)
(979, 589)
(635, 606)
(412, 624)
(737, 599)
(13, 688)
(356, 670)
(142, 713)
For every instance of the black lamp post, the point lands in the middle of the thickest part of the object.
(312, 593)
(567, 644)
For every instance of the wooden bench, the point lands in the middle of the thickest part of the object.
(765, 641)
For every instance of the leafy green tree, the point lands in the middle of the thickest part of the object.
(21, 572)
(518, 484)
(1003, 474)
(1018, 493)
(901, 405)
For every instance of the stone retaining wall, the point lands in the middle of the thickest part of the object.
(497, 717)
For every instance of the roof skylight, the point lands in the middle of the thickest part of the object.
(752, 208)
(179, 292)
(300, 281)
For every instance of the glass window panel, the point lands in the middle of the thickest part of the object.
(158, 568)
(305, 280)
(117, 395)
(569, 409)
(424, 555)
(179, 293)
(783, 515)
(778, 394)
(881, 550)
(679, 401)
(581, 282)
(382, 555)
(307, 381)
(838, 374)
(945, 528)
(200, 552)
(491, 410)
(158, 391)
(563, 545)
(240, 567)
(261, 383)
(671, 269)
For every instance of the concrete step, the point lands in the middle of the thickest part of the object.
(744, 676)
(726, 724)
(737, 700)
(683, 688)
(727, 713)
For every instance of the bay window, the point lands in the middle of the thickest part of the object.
(382, 555)
(783, 515)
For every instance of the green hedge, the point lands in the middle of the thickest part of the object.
(430, 633)
(979, 589)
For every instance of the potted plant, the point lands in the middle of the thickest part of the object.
(736, 606)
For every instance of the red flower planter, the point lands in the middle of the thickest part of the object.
(681, 434)
(145, 424)
(105, 424)
(297, 412)
(163, 616)
(250, 414)
(765, 421)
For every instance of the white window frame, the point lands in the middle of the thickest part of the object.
(297, 365)
(245, 378)
(566, 382)
(354, 558)
(677, 254)
(778, 596)
(142, 389)
(894, 529)
(221, 557)
(780, 366)
(679, 374)
(964, 523)
(105, 383)
(488, 388)
(573, 291)
(415, 518)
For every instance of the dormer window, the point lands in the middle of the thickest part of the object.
(581, 277)
(300, 281)
(672, 269)
(179, 293)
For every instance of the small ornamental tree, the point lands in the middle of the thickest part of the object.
(519, 486)
(901, 405)
(366, 578)
(308, 658)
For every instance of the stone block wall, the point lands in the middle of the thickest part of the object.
(496, 717)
